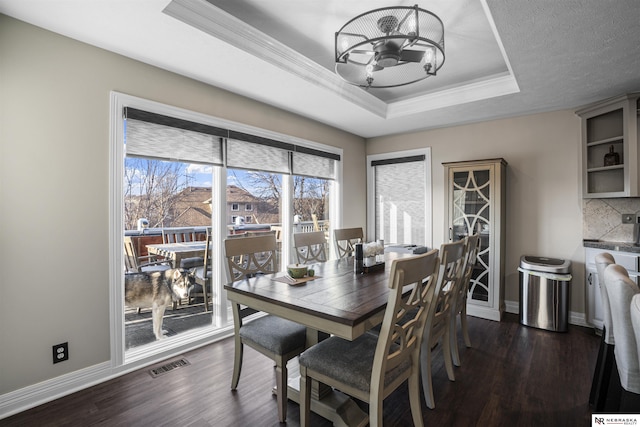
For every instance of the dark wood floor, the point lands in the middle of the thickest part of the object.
(512, 376)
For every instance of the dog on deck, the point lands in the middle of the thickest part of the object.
(157, 290)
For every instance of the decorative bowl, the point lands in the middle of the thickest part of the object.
(297, 271)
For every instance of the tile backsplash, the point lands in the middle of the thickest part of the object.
(603, 219)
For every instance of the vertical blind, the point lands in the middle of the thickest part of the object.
(169, 138)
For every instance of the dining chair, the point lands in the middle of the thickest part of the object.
(604, 363)
(624, 391)
(310, 247)
(203, 275)
(437, 327)
(178, 235)
(345, 238)
(276, 338)
(372, 366)
(459, 298)
(141, 264)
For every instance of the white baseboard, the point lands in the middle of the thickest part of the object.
(46, 391)
(575, 318)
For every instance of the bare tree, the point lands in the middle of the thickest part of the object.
(310, 194)
(150, 187)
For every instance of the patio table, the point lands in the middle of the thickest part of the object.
(178, 251)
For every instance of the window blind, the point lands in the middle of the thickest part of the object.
(169, 138)
(251, 156)
(313, 166)
(399, 197)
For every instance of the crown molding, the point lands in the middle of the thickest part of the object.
(206, 17)
(503, 84)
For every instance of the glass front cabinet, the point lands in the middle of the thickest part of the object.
(610, 155)
(475, 200)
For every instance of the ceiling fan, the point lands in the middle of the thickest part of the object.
(390, 47)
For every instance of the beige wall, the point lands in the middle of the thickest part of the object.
(54, 188)
(544, 205)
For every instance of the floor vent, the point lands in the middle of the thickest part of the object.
(168, 367)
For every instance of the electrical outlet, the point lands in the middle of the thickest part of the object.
(60, 352)
(628, 218)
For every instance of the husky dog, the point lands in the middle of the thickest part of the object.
(156, 290)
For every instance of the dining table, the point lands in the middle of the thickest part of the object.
(176, 252)
(336, 301)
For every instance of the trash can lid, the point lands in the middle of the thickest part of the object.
(549, 265)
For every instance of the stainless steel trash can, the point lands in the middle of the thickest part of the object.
(544, 292)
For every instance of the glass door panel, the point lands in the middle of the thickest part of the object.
(471, 215)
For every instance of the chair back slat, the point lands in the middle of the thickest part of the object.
(178, 235)
(130, 256)
(470, 255)
(310, 247)
(345, 238)
(248, 256)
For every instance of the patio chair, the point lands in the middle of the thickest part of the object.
(437, 327)
(459, 302)
(178, 235)
(277, 338)
(203, 276)
(310, 247)
(141, 264)
(372, 366)
(345, 238)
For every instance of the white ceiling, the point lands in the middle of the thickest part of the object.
(503, 57)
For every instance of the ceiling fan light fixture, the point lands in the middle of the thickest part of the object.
(389, 47)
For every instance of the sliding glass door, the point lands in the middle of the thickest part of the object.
(182, 173)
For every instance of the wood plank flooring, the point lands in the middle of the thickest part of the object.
(512, 376)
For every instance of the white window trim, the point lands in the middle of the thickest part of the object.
(237, 207)
(222, 318)
(371, 208)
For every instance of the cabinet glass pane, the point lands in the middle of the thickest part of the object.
(471, 214)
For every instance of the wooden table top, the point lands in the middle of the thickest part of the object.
(337, 301)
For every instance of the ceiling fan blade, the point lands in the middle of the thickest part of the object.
(363, 52)
(411, 55)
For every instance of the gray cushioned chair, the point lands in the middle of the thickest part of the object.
(604, 363)
(276, 338)
(437, 327)
(624, 390)
(373, 365)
